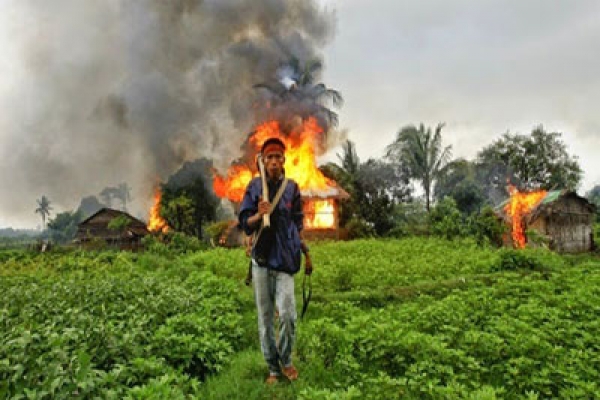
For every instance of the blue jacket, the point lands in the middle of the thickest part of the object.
(286, 219)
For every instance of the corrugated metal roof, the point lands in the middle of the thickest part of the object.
(551, 196)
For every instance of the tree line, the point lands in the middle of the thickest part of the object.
(383, 200)
(382, 193)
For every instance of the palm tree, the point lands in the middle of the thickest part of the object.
(43, 209)
(349, 160)
(421, 151)
(296, 83)
(345, 171)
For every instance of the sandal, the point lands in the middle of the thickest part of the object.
(290, 372)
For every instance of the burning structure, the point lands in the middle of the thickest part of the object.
(291, 109)
(562, 218)
(321, 196)
(97, 227)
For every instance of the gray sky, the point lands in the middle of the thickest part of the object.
(482, 67)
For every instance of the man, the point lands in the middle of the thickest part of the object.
(276, 255)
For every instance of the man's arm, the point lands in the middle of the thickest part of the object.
(254, 220)
(298, 218)
(308, 267)
(252, 208)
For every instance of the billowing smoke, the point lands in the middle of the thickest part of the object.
(127, 90)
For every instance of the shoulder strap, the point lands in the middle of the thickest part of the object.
(273, 205)
(278, 195)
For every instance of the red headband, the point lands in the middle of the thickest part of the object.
(271, 147)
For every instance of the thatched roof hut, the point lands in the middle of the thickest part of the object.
(233, 235)
(564, 218)
(96, 228)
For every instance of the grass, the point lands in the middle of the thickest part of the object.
(410, 318)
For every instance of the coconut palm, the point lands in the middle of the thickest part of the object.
(296, 84)
(421, 151)
(43, 209)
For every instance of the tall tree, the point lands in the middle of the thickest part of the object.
(458, 180)
(179, 213)
(375, 187)
(107, 195)
(420, 150)
(349, 160)
(296, 84)
(189, 191)
(536, 161)
(381, 188)
(43, 209)
(63, 227)
(89, 205)
(594, 197)
(123, 193)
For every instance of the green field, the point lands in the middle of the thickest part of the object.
(413, 318)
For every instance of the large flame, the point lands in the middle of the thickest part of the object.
(520, 204)
(319, 214)
(300, 165)
(155, 222)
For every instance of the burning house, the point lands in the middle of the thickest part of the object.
(562, 218)
(321, 196)
(97, 227)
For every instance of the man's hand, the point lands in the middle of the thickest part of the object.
(308, 267)
(263, 207)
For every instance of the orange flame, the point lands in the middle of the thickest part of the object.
(300, 165)
(519, 205)
(155, 222)
(319, 214)
(234, 185)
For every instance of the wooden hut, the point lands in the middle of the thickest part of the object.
(329, 215)
(564, 219)
(96, 228)
(234, 236)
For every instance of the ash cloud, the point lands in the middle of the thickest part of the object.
(128, 90)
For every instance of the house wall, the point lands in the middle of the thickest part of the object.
(335, 232)
(569, 224)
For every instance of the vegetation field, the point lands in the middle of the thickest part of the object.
(412, 318)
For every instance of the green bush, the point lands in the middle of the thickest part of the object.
(512, 260)
(486, 227)
(410, 219)
(445, 220)
(359, 228)
(216, 230)
(172, 244)
(416, 318)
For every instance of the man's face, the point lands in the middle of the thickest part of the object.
(274, 162)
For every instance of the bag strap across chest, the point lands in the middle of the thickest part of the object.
(272, 208)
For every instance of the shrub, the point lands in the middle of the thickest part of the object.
(512, 260)
(172, 244)
(410, 219)
(445, 219)
(486, 227)
(216, 230)
(359, 228)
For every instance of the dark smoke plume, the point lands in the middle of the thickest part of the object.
(128, 90)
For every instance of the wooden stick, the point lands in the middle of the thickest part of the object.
(265, 189)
